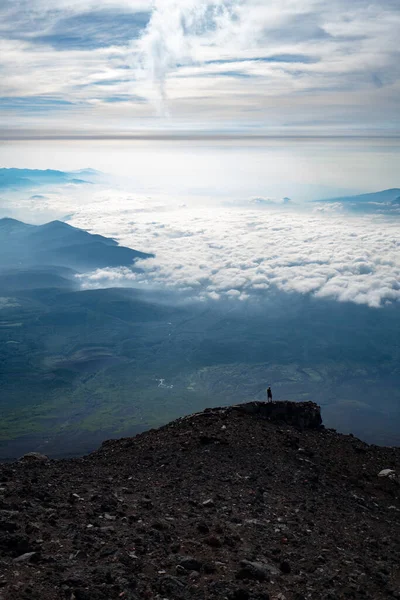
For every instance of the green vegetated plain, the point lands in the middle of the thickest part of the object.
(80, 366)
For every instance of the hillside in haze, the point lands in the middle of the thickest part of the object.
(59, 244)
(385, 201)
(30, 178)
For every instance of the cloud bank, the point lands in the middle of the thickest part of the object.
(243, 254)
(243, 250)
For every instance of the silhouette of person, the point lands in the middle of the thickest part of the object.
(269, 394)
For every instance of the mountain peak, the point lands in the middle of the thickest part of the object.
(56, 224)
(9, 221)
(61, 244)
(9, 224)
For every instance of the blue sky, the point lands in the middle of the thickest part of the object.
(128, 67)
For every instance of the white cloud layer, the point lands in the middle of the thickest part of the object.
(228, 253)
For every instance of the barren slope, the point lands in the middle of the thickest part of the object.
(223, 504)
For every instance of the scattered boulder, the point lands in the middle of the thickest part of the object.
(261, 571)
(209, 503)
(390, 473)
(202, 527)
(27, 557)
(32, 457)
(285, 567)
(189, 563)
(169, 585)
(214, 541)
(240, 594)
(109, 517)
(146, 503)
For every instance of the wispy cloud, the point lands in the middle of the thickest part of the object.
(173, 34)
(94, 29)
(216, 64)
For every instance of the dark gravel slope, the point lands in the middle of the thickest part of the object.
(219, 505)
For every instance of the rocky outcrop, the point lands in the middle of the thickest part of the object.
(34, 457)
(303, 415)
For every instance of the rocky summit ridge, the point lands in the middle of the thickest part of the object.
(251, 502)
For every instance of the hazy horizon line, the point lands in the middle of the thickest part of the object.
(32, 135)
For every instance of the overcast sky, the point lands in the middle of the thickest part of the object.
(235, 67)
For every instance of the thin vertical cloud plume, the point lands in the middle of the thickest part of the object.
(169, 39)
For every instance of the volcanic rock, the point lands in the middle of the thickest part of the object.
(277, 507)
(34, 457)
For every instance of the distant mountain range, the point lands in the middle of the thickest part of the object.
(14, 179)
(26, 178)
(60, 244)
(268, 202)
(383, 201)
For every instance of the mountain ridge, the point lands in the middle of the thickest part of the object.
(58, 243)
(380, 196)
(25, 178)
(226, 504)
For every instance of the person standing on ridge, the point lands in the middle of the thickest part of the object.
(269, 394)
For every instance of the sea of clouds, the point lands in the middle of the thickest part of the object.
(243, 252)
